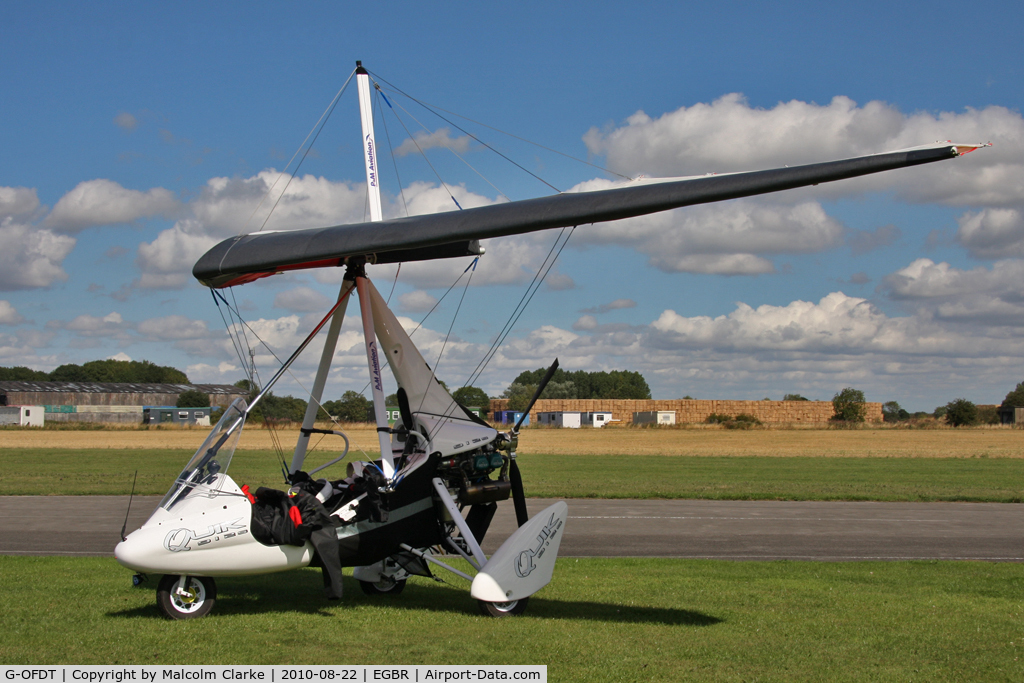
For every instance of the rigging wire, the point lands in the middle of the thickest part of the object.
(455, 317)
(434, 109)
(323, 118)
(517, 312)
(423, 154)
(401, 190)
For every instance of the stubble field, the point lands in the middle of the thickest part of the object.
(999, 442)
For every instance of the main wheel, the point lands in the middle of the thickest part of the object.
(502, 609)
(195, 599)
(386, 586)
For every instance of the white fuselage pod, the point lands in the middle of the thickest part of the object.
(207, 533)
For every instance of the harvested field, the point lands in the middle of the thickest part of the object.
(869, 442)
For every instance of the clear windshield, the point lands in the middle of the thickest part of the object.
(212, 458)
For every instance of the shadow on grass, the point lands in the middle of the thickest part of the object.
(302, 593)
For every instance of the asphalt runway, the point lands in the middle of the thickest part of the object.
(732, 530)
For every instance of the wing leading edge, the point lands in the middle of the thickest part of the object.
(444, 235)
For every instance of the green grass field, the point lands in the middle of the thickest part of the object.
(42, 471)
(599, 620)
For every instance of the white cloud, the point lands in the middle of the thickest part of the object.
(991, 296)
(731, 238)
(222, 373)
(120, 356)
(728, 135)
(104, 202)
(18, 203)
(173, 327)
(992, 233)
(417, 301)
(303, 300)
(442, 137)
(31, 257)
(8, 315)
(166, 262)
(85, 325)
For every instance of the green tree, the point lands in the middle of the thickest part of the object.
(848, 405)
(351, 407)
(892, 412)
(193, 398)
(584, 385)
(960, 412)
(1015, 399)
(279, 408)
(472, 397)
(519, 395)
(794, 397)
(22, 374)
(143, 372)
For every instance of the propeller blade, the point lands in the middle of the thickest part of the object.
(518, 496)
(540, 389)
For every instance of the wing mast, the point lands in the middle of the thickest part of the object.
(376, 215)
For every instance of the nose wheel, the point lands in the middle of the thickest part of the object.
(185, 597)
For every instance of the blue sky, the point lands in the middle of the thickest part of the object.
(135, 135)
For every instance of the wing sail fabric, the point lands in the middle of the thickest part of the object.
(249, 257)
(448, 427)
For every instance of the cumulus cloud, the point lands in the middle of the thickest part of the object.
(31, 257)
(21, 203)
(729, 135)
(417, 301)
(992, 233)
(303, 300)
(85, 325)
(442, 137)
(105, 202)
(173, 327)
(992, 296)
(8, 315)
(732, 238)
(167, 261)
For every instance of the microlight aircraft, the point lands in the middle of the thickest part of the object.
(442, 470)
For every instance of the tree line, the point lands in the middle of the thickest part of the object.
(135, 371)
(848, 406)
(580, 384)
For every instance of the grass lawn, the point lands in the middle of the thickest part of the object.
(599, 620)
(43, 471)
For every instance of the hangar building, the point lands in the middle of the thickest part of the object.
(106, 401)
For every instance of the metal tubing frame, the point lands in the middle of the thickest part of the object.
(460, 522)
(376, 380)
(317, 392)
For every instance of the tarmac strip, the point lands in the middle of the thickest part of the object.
(728, 530)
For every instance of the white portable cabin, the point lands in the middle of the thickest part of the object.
(597, 419)
(25, 416)
(657, 417)
(560, 418)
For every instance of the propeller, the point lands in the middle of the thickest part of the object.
(518, 496)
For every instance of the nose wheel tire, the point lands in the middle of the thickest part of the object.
(385, 586)
(187, 599)
(502, 609)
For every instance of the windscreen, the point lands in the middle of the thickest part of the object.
(212, 458)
